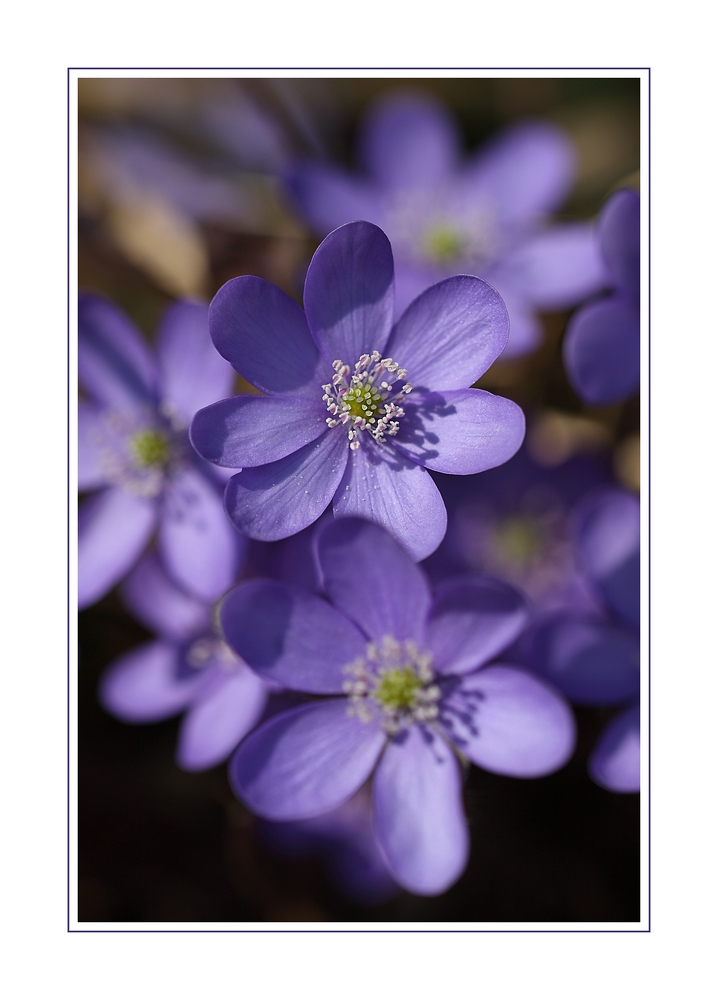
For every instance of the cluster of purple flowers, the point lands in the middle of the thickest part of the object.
(351, 705)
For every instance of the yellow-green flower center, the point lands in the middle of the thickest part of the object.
(393, 681)
(518, 541)
(398, 688)
(363, 401)
(150, 448)
(443, 243)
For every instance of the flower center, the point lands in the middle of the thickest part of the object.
(137, 454)
(393, 681)
(368, 398)
(443, 244)
(150, 448)
(212, 648)
(518, 541)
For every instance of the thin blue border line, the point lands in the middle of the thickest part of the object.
(274, 930)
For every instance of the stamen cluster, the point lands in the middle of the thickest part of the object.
(367, 399)
(138, 456)
(210, 648)
(392, 680)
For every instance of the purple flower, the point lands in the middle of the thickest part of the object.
(594, 659)
(356, 410)
(133, 449)
(615, 763)
(483, 217)
(514, 522)
(188, 668)
(405, 686)
(602, 348)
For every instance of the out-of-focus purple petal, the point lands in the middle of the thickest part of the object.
(113, 529)
(297, 563)
(383, 486)
(409, 141)
(609, 540)
(559, 267)
(144, 685)
(349, 292)
(329, 197)
(264, 336)
(191, 372)
(90, 434)
(449, 336)
(217, 721)
(277, 500)
(114, 365)
(246, 431)
(619, 234)
(371, 578)
(602, 351)
(525, 330)
(472, 619)
(592, 662)
(290, 637)
(509, 722)
(525, 171)
(199, 548)
(460, 431)
(306, 761)
(410, 280)
(160, 605)
(418, 813)
(615, 763)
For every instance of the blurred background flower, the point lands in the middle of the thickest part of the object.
(182, 186)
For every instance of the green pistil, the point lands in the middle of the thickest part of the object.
(150, 449)
(443, 244)
(518, 541)
(363, 401)
(397, 688)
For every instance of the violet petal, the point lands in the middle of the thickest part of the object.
(306, 761)
(460, 431)
(559, 267)
(264, 336)
(592, 662)
(277, 500)
(90, 434)
(387, 488)
(472, 619)
(191, 372)
(615, 763)
(113, 528)
(115, 365)
(144, 685)
(409, 142)
(291, 637)
(371, 578)
(450, 334)
(160, 605)
(217, 721)
(418, 812)
(246, 431)
(602, 351)
(198, 546)
(509, 722)
(349, 292)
